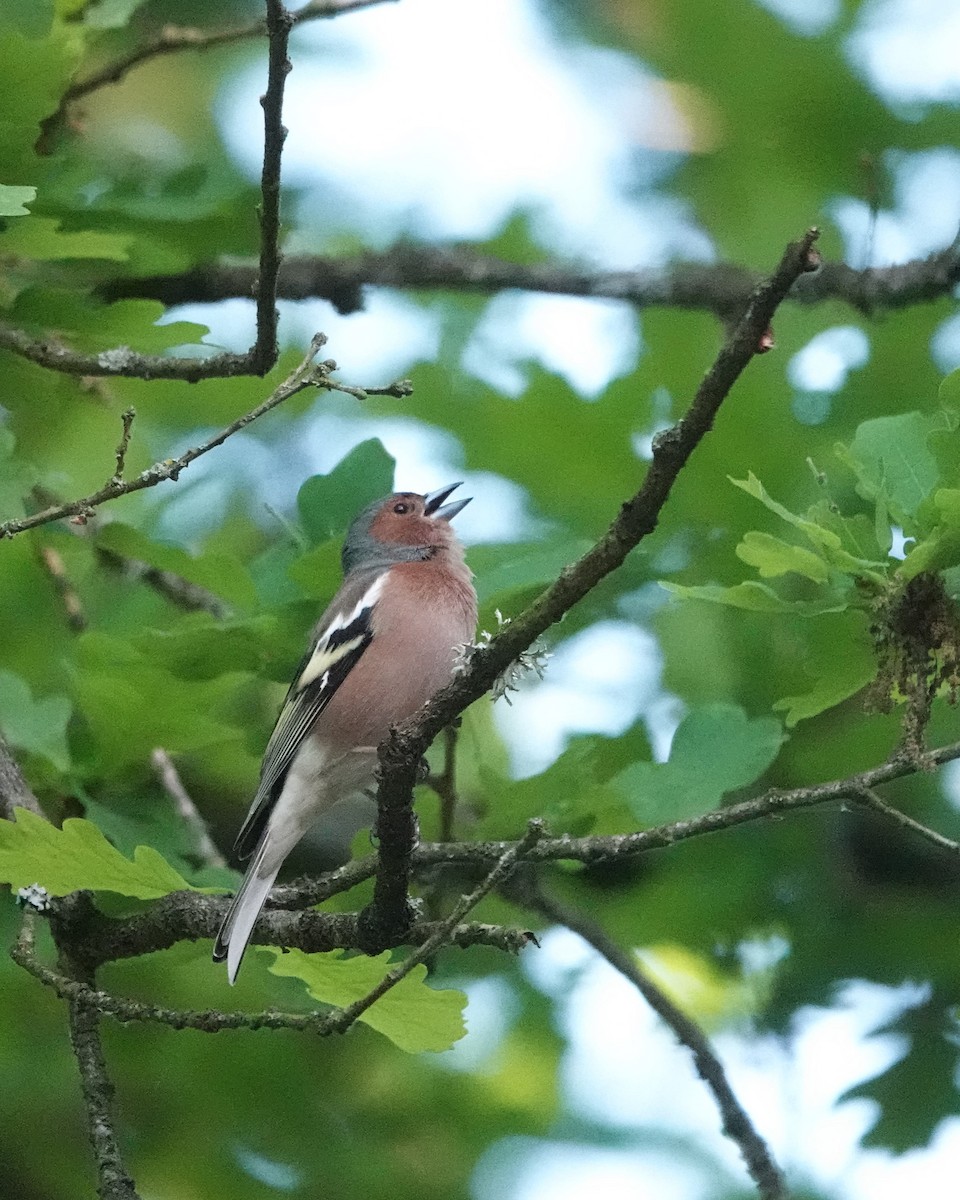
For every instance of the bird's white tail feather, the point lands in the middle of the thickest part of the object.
(243, 912)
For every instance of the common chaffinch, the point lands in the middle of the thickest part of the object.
(387, 642)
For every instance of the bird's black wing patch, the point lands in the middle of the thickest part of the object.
(335, 652)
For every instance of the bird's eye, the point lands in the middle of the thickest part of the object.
(401, 508)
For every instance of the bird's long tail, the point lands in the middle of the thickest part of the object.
(242, 915)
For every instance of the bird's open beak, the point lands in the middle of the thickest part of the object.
(433, 500)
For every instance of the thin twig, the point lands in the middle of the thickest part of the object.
(120, 361)
(869, 799)
(307, 374)
(173, 39)
(173, 587)
(168, 775)
(24, 954)
(127, 417)
(736, 1124)
(265, 350)
(179, 591)
(500, 872)
(113, 1182)
(617, 847)
(55, 567)
(205, 1021)
(262, 355)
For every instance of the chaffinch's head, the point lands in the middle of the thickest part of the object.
(403, 527)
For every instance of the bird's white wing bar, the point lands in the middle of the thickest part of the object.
(336, 651)
(341, 637)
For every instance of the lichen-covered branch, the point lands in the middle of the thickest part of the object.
(77, 992)
(113, 1180)
(307, 374)
(189, 916)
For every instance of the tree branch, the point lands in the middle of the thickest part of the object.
(265, 351)
(445, 929)
(869, 799)
(183, 593)
(166, 771)
(307, 374)
(52, 562)
(736, 1124)
(172, 39)
(120, 362)
(113, 1181)
(15, 792)
(721, 288)
(616, 847)
(188, 916)
(262, 355)
(400, 754)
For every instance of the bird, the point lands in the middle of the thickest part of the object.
(388, 641)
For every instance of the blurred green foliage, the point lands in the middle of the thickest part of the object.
(766, 639)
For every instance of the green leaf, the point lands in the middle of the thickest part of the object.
(892, 459)
(318, 571)
(41, 239)
(545, 441)
(570, 794)
(34, 73)
(412, 1015)
(773, 557)
(846, 664)
(79, 856)
(93, 326)
(940, 550)
(328, 503)
(32, 18)
(199, 646)
(926, 1073)
(859, 534)
(754, 597)
(13, 199)
(37, 726)
(715, 750)
(827, 542)
(132, 705)
(949, 390)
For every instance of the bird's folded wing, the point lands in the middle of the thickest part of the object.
(343, 635)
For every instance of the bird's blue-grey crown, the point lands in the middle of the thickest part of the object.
(363, 551)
